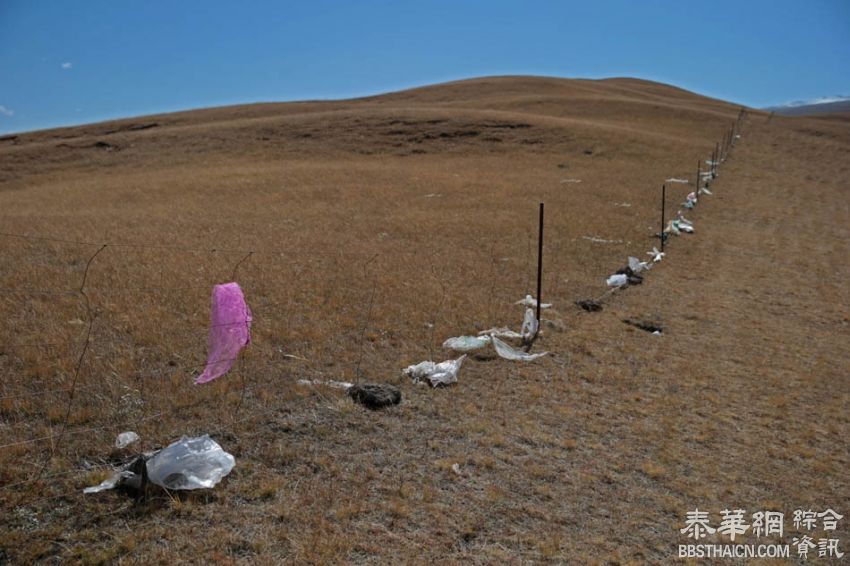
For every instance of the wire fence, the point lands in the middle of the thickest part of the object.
(89, 345)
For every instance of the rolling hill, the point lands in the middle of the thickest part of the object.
(364, 233)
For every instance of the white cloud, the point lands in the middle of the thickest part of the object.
(5, 111)
(67, 65)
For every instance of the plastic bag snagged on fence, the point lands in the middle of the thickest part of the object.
(510, 353)
(637, 266)
(501, 332)
(618, 280)
(466, 343)
(111, 483)
(190, 463)
(530, 301)
(230, 330)
(443, 373)
(530, 324)
(656, 255)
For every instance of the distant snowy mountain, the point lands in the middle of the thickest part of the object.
(821, 105)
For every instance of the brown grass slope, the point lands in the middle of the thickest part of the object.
(379, 227)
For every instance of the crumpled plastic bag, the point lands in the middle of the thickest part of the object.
(656, 255)
(510, 353)
(501, 332)
(125, 439)
(638, 266)
(530, 301)
(466, 343)
(110, 483)
(617, 280)
(190, 463)
(230, 330)
(443, 373)
(530, 324)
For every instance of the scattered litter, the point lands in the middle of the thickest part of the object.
(652, 327)
(590, 305)
(675, 180)
(571, 180)
(710, 162)
(530, 301)
(625, 204)
(656, 255)
(501, 332)
(125, 439)
(601, 240)
(704, 191)
(466, 343)
(190, 463)
(328, 382)
(617, 280)
(375, 396)
(230, 330)
(432, 195)
(692, 196)
(657, 333)
(443, 373)
(510, 353)
(689, 204)
(737, 136)
(456, 468)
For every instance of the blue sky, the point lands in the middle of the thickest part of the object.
(75, 62)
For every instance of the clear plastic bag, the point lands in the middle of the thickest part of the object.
(190, 463)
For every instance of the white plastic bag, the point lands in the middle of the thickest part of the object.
(501, 332)
(125, 439)
(617, 280)
(656, 255)
(190, 463)
(443, 373)
(530, 301)
(110, 483)
(466, 343)
(510, 353)
(530, 324)
(637, 266)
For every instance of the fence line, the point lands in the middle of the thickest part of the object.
(720, 154)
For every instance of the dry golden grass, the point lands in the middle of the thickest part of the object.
(379, 228)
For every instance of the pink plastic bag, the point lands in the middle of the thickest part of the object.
(230, 330)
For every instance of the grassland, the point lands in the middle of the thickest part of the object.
(364, 233)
